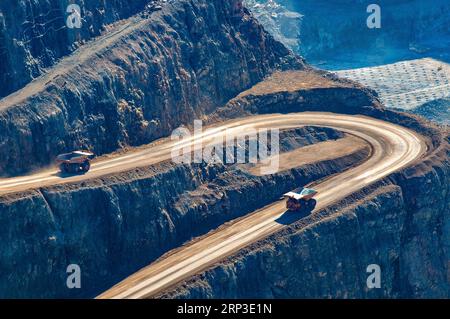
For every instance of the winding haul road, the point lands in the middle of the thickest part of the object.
(393, 147)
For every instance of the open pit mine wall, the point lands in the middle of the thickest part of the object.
(402, 223)
(34, 34)
(188, 59)
(326, 25)
(113, 226)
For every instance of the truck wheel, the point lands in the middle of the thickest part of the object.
(65, 168)
(312, 205)
(86, 166)
(74, 168)
(303, 205)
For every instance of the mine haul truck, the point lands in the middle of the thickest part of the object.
(75, 162)
(301, 201)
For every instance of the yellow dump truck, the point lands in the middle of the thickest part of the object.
(75, 162)
(301, 201)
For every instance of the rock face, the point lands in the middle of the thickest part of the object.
(34, 34)
(113, 226)
(283, 24)
(409, 29)
(181, 63)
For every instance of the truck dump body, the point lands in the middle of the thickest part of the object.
(306, 193)
(74, 157)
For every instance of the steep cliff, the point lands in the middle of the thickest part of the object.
(34, 34)
(282, 23)
(409, 29)
(170, 68)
